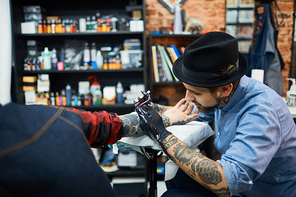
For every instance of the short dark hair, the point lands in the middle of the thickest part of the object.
(214, 89)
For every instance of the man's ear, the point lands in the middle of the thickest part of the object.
(226, 89)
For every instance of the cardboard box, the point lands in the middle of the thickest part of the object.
(29, 28)
(137, 14)
(29, 79)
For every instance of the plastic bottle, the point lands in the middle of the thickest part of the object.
(94, 24)
(291, 94)
(62, 59)
(93, 55)
(53, 26)
(119, 93)
(54, 59)
(95, 90)
(88, 25)
(40, 29)
(46, 59)
(178, 19)
(64, 98)
(82, 25)
(52, 99)
(86, 55)
(68, 94)
(99, 60)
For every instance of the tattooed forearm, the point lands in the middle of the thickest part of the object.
(170, 141)
(183, 155)
(131, 125)
(207, 171)
(160, 108)
(200, 168)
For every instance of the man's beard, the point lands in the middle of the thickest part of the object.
(209, 109)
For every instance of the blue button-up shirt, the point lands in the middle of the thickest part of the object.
(256, 135)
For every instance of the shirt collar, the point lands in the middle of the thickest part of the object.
(238, 94)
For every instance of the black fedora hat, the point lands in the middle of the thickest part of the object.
(212, 60)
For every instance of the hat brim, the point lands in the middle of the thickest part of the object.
(177, 69)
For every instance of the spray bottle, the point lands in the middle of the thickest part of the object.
(95, 90)
(291, 94)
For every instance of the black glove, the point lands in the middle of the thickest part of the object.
(156, 129)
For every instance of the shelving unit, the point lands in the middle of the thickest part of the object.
(75, 10)
(239, 22)
(175, 87)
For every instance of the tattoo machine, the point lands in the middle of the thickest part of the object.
(143, 106)
(140, 102)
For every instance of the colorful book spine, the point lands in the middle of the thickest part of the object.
(166, 70)
(154, 63)
(161, 74)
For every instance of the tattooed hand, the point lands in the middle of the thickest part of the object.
(179, 116)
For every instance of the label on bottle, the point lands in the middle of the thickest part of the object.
(291, 100)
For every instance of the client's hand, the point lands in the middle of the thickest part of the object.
(178, 115)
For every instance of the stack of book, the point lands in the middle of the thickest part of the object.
(162, 62)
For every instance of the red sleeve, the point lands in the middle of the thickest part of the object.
(101, 128)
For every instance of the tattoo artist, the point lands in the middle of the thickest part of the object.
(254, 130)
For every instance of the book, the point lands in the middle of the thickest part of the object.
(168, 49)
(154, 64)
(161, 74)
(176, 50)
(165, 67)
(169, 63)
(173, 53)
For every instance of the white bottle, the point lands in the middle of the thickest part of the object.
(53, 26)
(93, 55)
(82, 25)
(291, 94)
(178, 19)
(46, 59)
(54, 59)
(86, 55)
(119, 93)
(99, 60)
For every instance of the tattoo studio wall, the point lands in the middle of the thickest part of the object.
(213, 14)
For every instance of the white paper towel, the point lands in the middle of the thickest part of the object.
(257, 74)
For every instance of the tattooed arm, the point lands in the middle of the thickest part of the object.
(131, 125)
(170, 116)
(200, 168)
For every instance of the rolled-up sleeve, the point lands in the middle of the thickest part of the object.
(101, 128)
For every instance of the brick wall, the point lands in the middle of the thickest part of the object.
(213, 13)
(285, 37)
